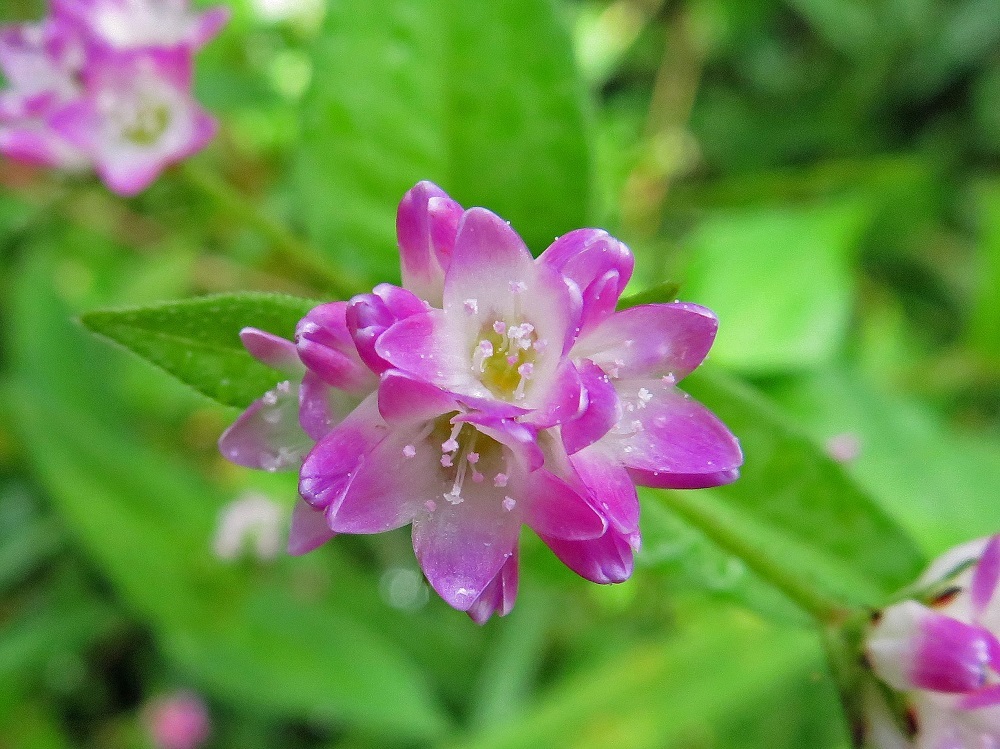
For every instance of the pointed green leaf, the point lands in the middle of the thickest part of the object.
(198, 341)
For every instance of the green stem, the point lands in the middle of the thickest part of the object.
(730, 534)
(285, 245)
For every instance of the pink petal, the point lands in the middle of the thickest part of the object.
(425, 346)
(986, 576)
(564, 400)
(651, 340)
(499, 596)
(326, 347)
(598, 264)
(610, 487)
(370, 315)
(950, 656)
(274, 351)
(309, 529)
(267, 435)
(608, 559)
(985, 697)
(331, 466)
(405, 399)
(488, 255)
(426, 225)
(668, 440)
(520, 439)
(601, 412)
(389, 486)
(210, 23)
(462, 547)
(553, 509)
(322, 407)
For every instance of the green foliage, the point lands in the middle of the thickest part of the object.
(481, 98)
(198, 340)
(821, 173)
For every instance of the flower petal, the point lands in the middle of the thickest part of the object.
(601, 412)
(322, 407)
(325, 346)
(668, 440)
(608, 559)
(267, 435)
(553, 509)
(274, 351)
(370, 315)
(404, 399)
(332, 464)
(610, 487)
(461, 547)
(986, 577)
(651, 340)
(389, 485)
(424, 346)
(426, 226)
(950, 656)
(309, 529)
(520, 439)
(209, 24)
(499, 596)
(564, 401)
(598, 264)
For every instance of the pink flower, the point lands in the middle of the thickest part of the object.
(177, 721)
(138, 24)
(943, 653)
(136, 116)
(494, 409)
(42, 64)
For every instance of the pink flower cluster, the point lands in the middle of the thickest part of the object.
(106, 84)
(492, 390)
(943, 656)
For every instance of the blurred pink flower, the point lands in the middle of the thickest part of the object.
(177, 721)
(139, 24)
(943, 654)
(106, 84)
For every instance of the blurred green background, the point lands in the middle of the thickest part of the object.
(825, 174)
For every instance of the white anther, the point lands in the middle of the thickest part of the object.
(518, 287)
(509, 503)
(499, 327)
(500, 480)
(409, 451)
(471, 306)
(644, 397)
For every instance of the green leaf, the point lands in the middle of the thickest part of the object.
(482, 98)
(986, 315)
(198, 342)
(779, 280)
(672, 692)
(268, 641)
(938, 484)
(794, 515)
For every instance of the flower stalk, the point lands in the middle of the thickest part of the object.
(285, 246)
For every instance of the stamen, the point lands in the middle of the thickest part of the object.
(540, 345)
(483, 352)
(431, 505)
(471, 306)
(644, 397)
(500, 480)
(518, 287)
(409, 451)
(509, 503)
(472, 458)
(477, 477)
(499, 327)
(446, 461)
